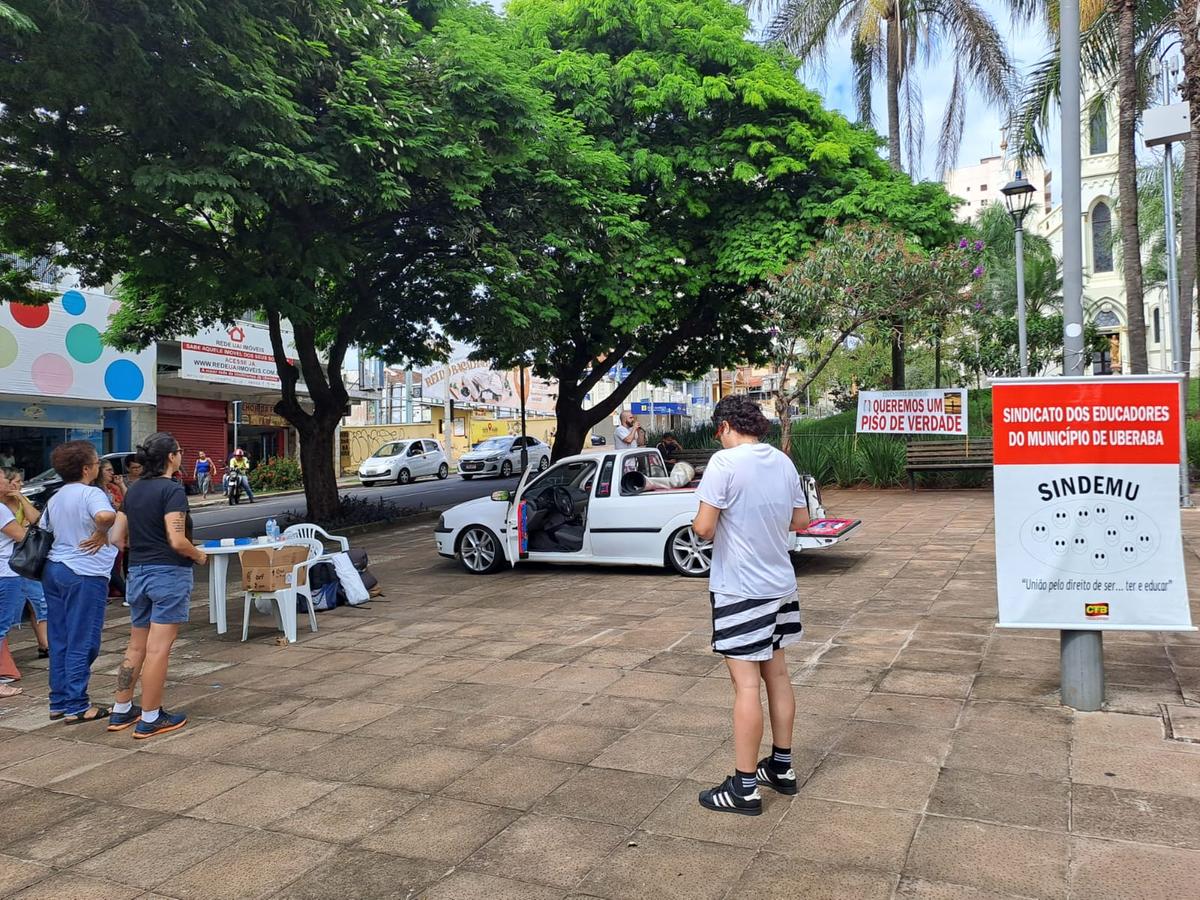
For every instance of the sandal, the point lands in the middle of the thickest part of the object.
(7, 690)
(102, 712)
(55, 716)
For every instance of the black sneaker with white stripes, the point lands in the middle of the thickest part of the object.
(723, 798)
(783, 782)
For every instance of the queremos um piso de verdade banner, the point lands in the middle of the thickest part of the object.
(939, 411)
(1087, 504)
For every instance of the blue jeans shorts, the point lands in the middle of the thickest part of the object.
(158, 594)
(35, 597)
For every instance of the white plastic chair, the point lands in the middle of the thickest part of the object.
(285, 599)
(315, 533)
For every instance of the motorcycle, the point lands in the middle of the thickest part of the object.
(233, 488)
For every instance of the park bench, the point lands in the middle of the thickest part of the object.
(947, 456)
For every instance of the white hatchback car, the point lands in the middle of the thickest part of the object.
(501, 456)
(402, 461)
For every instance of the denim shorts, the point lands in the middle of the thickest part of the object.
(158, 594)
(35, 597)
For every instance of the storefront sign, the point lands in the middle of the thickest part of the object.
(940, 411)
(1087, 504)
(236, 354)
(261, 414)
(57, 351)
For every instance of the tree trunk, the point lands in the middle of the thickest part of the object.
(937, 359)
(894, 70)
(572, 427)
(1188, 220)
(1131, 243)
(783, 408)
(316, 464)
(898, 358)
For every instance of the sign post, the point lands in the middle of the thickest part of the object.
(1088, 535)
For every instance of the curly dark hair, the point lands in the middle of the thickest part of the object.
(70, 459)
(743, 415)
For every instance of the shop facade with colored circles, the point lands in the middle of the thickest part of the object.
(60, 381)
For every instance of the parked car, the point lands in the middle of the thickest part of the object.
(599, 440)
(501, 457)
(615, 508)
(45, 485)
(403, 461)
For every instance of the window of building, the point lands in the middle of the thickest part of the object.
(1098, 132)
(1102, 255)
(1157, 326)
(983, 187)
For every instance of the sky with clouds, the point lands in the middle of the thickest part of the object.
(981, 136)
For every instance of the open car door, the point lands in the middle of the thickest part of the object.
(516, 537)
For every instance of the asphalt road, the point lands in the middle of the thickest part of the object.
(249, 519)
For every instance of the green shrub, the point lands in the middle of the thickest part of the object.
(883, 460)
(278, 473)
(1193, 445)
(811, 456)
(845, 463)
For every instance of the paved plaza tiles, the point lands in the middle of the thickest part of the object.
(542, 735)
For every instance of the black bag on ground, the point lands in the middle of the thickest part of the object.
(359, 558)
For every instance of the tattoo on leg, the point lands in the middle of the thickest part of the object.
(125, 677)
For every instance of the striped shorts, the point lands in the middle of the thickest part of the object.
(754, 629)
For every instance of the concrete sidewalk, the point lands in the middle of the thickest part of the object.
(540, 735)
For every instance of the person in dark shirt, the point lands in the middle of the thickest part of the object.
(158, 527)
(669, 449)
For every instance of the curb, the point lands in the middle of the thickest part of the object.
(221, 500)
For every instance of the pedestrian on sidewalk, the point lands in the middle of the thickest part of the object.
(108, 482)
(202, 472)
(11, 596)
(751, 500)
(76, 580)
(157, 526)
(32, 595)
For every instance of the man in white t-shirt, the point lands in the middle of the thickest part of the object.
(751, 500)
(629, 434)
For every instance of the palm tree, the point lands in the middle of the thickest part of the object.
(1117, 46)
(887, 38)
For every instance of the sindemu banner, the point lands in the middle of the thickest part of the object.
(938, 411)
(1087, 504)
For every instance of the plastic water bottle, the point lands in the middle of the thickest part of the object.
(272, 529)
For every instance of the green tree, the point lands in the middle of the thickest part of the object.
(985, 343)
(1119, 41)
(857, 278)
(890, 39)
(735, 166)
(323, 164)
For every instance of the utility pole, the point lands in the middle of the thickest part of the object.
(524, 443)
(1081, 653)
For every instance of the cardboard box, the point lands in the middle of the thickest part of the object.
(271, 569)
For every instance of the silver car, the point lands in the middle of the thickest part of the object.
(501, 457)
(402, 461)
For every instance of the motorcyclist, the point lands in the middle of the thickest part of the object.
(239, 467)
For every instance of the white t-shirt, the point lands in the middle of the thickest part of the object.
(71, 515)
(756, 488)
(6, 543)
(625, 438)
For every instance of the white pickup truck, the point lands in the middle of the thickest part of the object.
(609, 508)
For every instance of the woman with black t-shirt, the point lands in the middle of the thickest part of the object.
(158, 527)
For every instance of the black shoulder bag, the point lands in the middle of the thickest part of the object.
(31, 552)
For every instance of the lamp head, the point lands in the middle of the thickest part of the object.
(1018, 197)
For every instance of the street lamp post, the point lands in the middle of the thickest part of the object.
(1018, 197)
